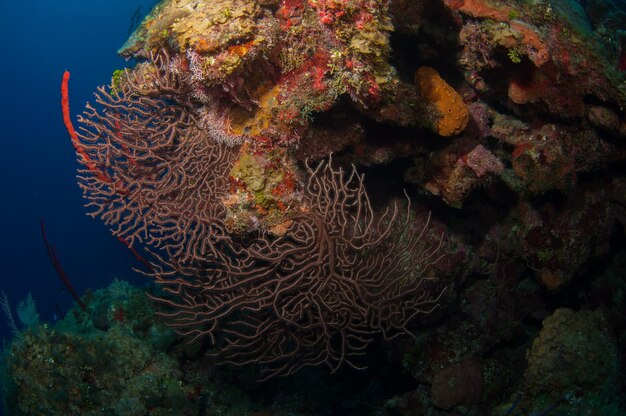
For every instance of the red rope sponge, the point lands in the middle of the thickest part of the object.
(65, 105)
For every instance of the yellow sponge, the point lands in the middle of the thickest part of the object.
(453, 111)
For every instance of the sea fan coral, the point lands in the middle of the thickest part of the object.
(318, 294)
(317, 290)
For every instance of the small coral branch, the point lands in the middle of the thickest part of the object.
(136, 254)
(59, 269)
(5, 305)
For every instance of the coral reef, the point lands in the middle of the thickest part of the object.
(502, 122)
(574, 359)
(307, 266)
(107, 359)
(558, 354)
(459, 384)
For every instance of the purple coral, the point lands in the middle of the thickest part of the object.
(481, 161)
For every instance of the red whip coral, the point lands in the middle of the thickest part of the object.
(67, 120)
(59, 269)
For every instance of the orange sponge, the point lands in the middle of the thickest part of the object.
(453, 111)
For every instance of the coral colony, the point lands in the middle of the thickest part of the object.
(231, 159)
(192, 154)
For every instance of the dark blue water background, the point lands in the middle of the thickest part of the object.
(40, 40)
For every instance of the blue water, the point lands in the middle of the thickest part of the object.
(41, 39)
